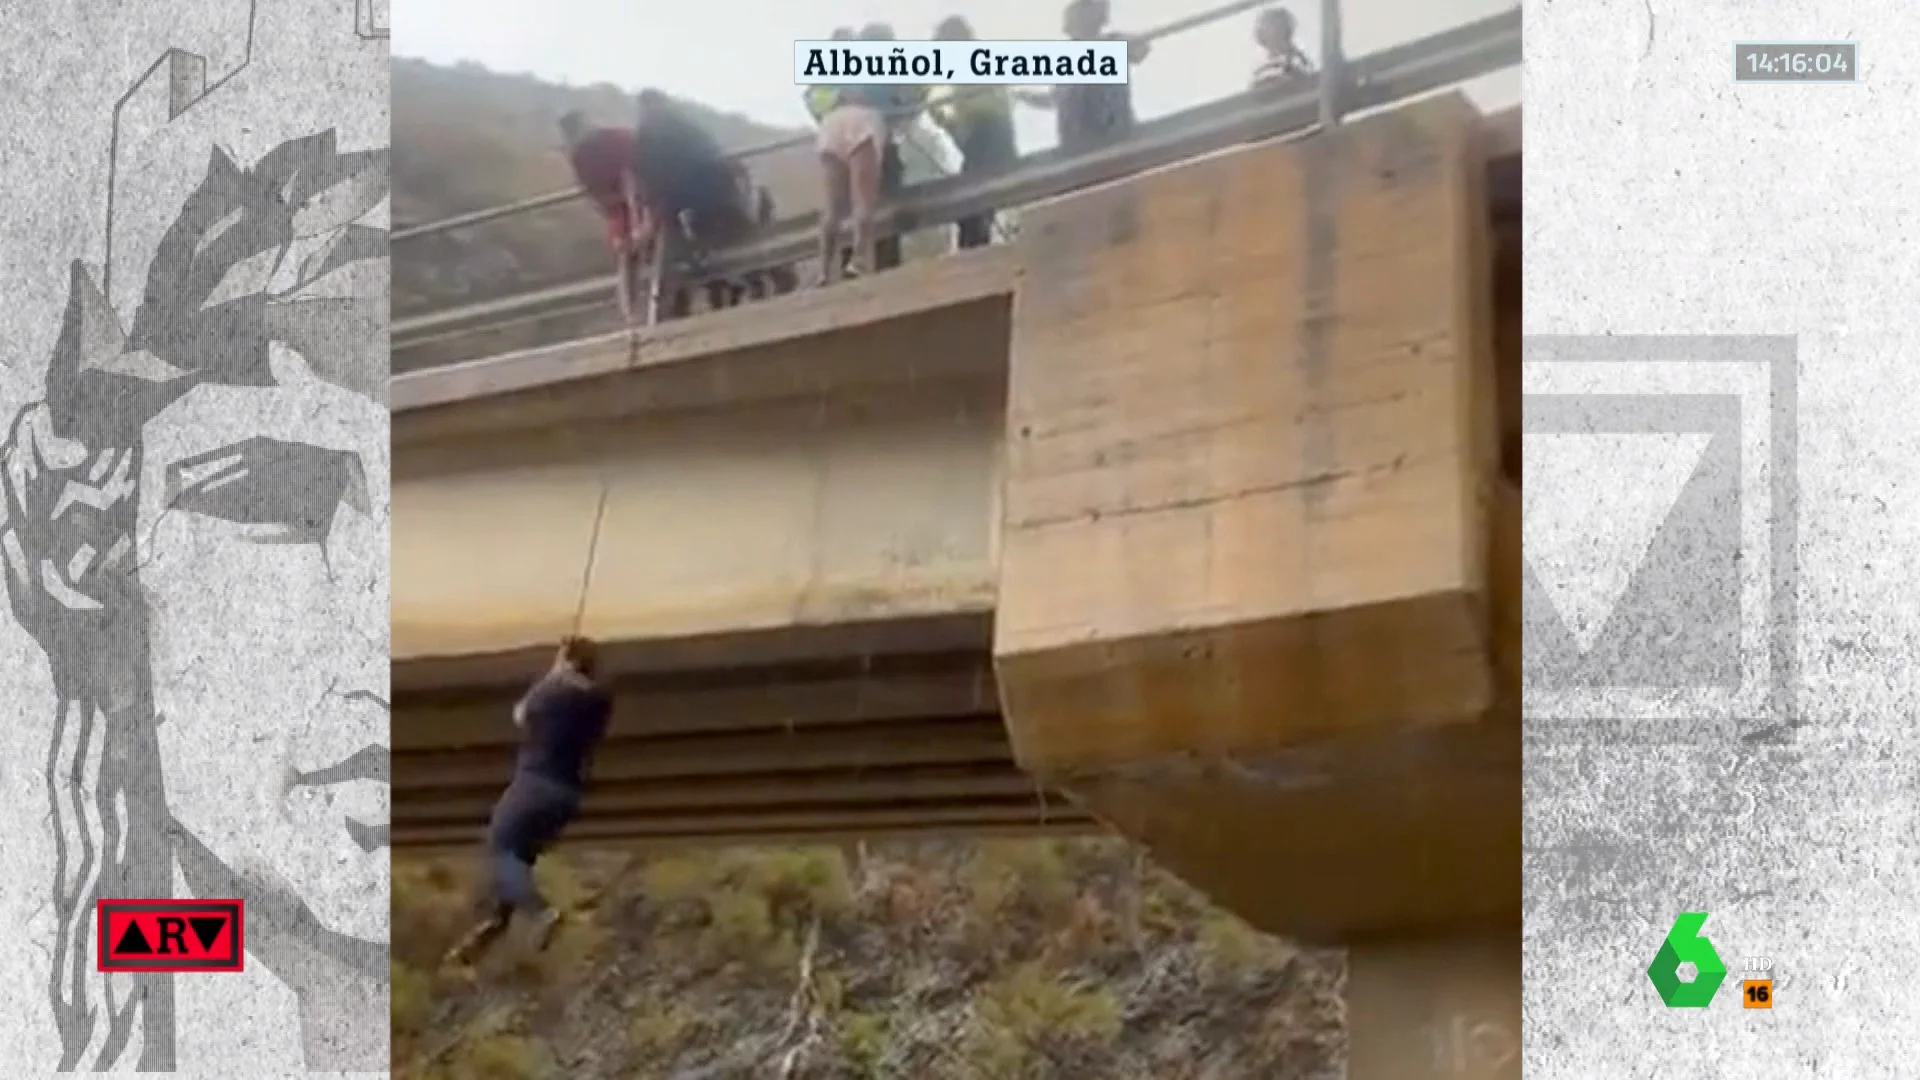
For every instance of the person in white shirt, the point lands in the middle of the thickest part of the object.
(1283, 62)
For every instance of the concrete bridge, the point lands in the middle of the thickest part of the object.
(1187, 514)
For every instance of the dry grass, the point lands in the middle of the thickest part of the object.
(1010, 960)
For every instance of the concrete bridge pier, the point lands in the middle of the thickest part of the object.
(1258, 563)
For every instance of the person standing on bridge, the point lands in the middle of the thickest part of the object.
(853, 142)
(563, 719)
(902, 113)
(821, 100)
(1283, 62)
(602, 159)
(979, 120)
(1088, 117)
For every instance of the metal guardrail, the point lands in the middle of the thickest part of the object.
(806, 139)
(1379, 79)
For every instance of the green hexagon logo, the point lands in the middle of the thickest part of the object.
(1686, 944)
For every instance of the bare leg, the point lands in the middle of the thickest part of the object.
(834, 208)
(863, 189)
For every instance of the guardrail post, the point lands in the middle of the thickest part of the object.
(1333, 65)
(664, 255)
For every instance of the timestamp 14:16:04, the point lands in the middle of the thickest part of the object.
(1828, 61)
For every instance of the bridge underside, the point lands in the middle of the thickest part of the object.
(1193, 514)
(799, 561)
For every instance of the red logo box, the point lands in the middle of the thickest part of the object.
(170, 935)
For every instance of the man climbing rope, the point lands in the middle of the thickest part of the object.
(979, 120)
(1283, 61)
(563, 718)
(1093, 115)
(602, 159)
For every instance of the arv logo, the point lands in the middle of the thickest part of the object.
(170, 935)
(1685, 944)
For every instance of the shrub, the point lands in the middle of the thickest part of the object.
(863, 1043)
(1029, 1013)
(412, 995)
(661, 1028)
(1003, 873)
(503, 1057)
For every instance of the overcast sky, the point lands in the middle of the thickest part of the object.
(737, 55)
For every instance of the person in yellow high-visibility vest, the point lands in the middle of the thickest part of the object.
(821, 99)
(979, 120)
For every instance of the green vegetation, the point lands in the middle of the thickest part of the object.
(1000, 960)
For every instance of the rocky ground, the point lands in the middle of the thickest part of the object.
(995, 960)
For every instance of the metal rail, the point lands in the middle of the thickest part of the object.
(1379, 79)
(791, 142)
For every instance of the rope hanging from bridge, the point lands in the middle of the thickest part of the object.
(600, 508)
(1330, 45)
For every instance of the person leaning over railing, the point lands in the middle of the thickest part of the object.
(602, 160)
(979, 120)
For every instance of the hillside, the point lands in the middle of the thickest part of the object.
(995, 960)
(466, 138)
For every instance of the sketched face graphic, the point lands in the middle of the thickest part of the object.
(270, 484)
(185, 482)
(278, 767)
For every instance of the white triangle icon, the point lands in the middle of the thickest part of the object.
(1593, 504)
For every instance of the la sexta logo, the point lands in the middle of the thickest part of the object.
(170, 935)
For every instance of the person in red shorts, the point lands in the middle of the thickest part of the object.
(603, 162)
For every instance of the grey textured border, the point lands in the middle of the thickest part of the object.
(1669, 599)
(195, 527)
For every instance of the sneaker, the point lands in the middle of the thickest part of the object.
(471, 947)
(546, 925)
